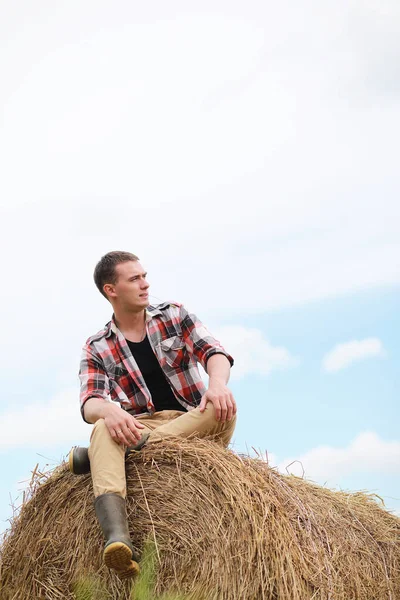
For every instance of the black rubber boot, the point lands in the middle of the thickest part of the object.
(118, 552)
(78, 461)
(78, 458)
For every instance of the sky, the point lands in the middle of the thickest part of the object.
(247, 152)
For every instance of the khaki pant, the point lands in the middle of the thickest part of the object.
(107, 458)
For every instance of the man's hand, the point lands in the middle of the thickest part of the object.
(222, 399)
(123, 427)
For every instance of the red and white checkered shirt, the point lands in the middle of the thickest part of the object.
(178, 339)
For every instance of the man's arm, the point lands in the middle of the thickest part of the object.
(199, 340)
(95, 388)
(123, 427)
(215, 360)
(218, 369)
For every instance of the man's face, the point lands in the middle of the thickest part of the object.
(131, 289)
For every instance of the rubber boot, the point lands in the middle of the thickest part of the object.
(78, 458)
(78, 461)
(118, 552)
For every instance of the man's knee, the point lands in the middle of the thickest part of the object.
(99, 428)
(100, 424)
(101, 443)
(210, 416)
(222, 431)
(100, 434)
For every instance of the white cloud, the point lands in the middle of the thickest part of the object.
(367, 453)
(45, 424)
(343, 355)
(237, 170)
(253, 353)
(254, 140)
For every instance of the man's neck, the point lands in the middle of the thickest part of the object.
(128, 322)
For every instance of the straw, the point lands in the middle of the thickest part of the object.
(225, 527)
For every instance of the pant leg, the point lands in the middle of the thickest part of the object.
(194, 424)
(107, 458)
(157, 419)
(107, 461)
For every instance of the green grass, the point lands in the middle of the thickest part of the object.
(91, 588)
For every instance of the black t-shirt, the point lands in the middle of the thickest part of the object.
(160, 390)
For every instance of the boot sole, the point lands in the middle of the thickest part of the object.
(71, 461)
(75, 465)
(118, 556)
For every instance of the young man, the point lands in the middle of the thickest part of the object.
(145, 362)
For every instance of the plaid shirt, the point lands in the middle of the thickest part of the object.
(178, 340)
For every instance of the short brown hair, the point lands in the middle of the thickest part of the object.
(105, 268)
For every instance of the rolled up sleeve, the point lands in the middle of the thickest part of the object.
(199, 340)
(93, 379)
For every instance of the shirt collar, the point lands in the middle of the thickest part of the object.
(111, 327)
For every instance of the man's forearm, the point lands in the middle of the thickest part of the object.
(95, 409)
(123, 427)
(218, 368)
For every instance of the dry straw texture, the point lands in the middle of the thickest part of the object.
(226, 527)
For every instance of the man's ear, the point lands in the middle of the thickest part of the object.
(109, 290)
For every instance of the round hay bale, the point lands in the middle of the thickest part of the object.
(226, 527)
